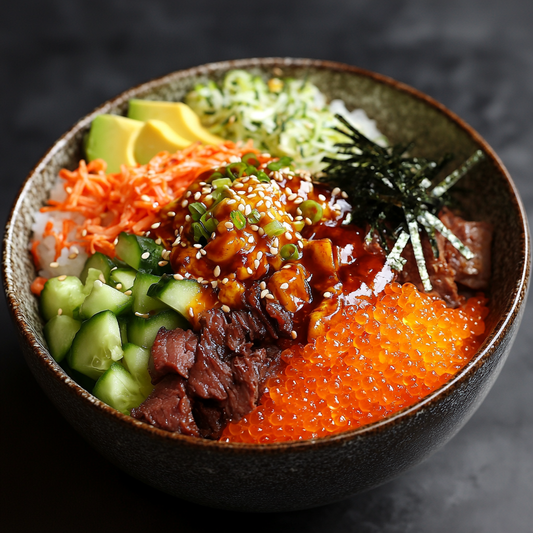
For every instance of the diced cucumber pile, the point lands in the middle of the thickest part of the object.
(103, 324)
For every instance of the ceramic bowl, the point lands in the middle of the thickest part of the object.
(297, 475)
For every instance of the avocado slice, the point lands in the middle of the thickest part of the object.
(154, 137)
(112, 139)
(179, 116)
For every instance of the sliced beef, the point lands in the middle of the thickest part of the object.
(477, 236)
(173, 351)
(440, 273)
(218, 374)
(451, 267)
(168, 407)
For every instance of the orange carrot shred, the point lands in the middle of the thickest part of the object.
(37, 285)
(129, 200)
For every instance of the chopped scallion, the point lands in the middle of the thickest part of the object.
(289, 252)
(254, 217)
(274, 228)
(197, 209)
(311, 210)
(238, 219)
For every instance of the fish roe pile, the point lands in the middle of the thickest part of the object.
(377, 358)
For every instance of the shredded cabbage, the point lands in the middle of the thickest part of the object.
(283, 117)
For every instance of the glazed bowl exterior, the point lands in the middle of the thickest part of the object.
(297, 475)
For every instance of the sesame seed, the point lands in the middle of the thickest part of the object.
(188, 218)
(264, 292)
(270, 296)
(162, 263)
(308, 221)
(155, 225)
(259, 204)
(250, 271)
(185, 203)
(273, 251)
(298, 211)
(165, 254)
(128, 293)
(142, 315)
(72, 255)
(259, 255)
(278, 204)
(256, 264)
(183, 245)
(292, 197)
(225, 308)
(101, 278)
(146, 233)
(294, 334)
(54, 264)
(176, 242)
(327, 294)
(335, 191)
(188, 195)
(232, 201)
(62, 278)
(202, 183)
(200, 279)
(158, 241)
(288, 235)
(213, 235)
(268, 204)
(261, 231)
(242, 193)
(197, 246)
(205, 282)
(216, 272)
(146, 198)
(276, 242)
(247, 210)
(171, 214)
(284, 286)
(229, 225)
(146, 255)
(253, 227)
(214, 284)
(84, 233)
(198, 256)
(344, 194)
(118, 286)
(251, 240)
(241, 208)
(208, 197)
(321, 197)
(178, 276)
(68, 189)
(262, 285)
(191, 312)
(286, 266)
(299, 200)
(238, 185)
(300, 244)
(246, 179)
(60, 311)
(197, 195)
(203, 252)
(225, 280)
(298, 236)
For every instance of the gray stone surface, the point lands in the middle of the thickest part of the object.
(60, 58)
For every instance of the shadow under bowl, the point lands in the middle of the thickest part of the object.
(297, 475)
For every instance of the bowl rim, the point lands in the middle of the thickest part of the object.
(484, 353)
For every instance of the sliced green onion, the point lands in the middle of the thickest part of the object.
(215, 176)
(311, 210)
(299, 225)
(274, 228)
(197, 209)
(289, 252)
(238, 219)
(220, 182)
(254, 217)
(235, 170)
(261, 176)
(250, 159)
(218, 195)
(199, 232)
(281, 163)
(210, 224)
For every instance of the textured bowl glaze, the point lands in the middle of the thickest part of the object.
(289, 476)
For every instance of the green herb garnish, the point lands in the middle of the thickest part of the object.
(238, 219)
(395, 194)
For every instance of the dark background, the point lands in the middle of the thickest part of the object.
(61, 58)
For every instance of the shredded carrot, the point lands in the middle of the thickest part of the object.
(131, 199)
(38, 285)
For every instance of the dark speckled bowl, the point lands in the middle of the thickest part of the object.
(295, 475)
